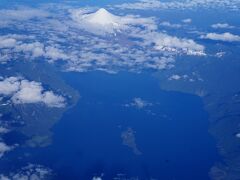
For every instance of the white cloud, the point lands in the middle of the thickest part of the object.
(187, 78)
(33, 92)
(169, 43)
(220, 54)
(187, 20)
(7, 42)
(52, 100)
(36, 48)
(30, 172)
(170, 25)
(4, 148)
(54, 53)
(238, 135)
(185, 4)
(96, 178)
(228, 37)
(9, 85)
(222, 26)
(175, 77)
(23, 91)
(138, 103)
(33, 49)
(3, 130)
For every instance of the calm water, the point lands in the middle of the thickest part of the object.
(172, 134)
(173, 137)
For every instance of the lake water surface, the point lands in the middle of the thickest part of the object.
(171, 133)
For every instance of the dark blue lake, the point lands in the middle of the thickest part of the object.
(171, 133)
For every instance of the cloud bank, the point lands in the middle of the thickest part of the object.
(183, 5)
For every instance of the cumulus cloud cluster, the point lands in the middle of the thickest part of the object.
(12, 46)
(228, 37)
(30, 172)
(135, 42)
(22, 91)
(170, 43)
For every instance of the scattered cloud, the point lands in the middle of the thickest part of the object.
(22, 91)
(175, 77)
(3, 130)
(135, 44)
(9, 85)
(190, 78)
(228, 37)
(173, 44)
(170, 25)
(222, 26)
(220, 54)
(142, 28)
(96, 178)
(187, 21)
(4, 148)
(30, 172)
(36, 48)
(7, 42)
(138, 103)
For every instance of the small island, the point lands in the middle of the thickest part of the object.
(128, 138)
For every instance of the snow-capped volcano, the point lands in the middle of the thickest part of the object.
(104, 22)
(103, 17)
(98, 22)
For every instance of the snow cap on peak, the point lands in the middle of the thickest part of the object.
(102, 17)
